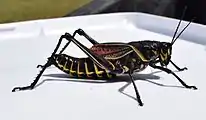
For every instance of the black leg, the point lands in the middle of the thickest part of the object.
(136, 91)
(30, 87)
(64, 48)
(170, 72)
(42, 66)
(121, 90)
(97, 59)
(100, 60)
(178, 68)
(39, 66)
(49, 63)
(82, 33)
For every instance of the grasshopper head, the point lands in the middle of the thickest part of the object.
(165, 51)
(165, 48)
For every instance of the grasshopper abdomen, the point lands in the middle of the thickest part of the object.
(80, 67)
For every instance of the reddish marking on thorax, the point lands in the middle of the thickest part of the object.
(102, 49)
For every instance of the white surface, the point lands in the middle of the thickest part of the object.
(27, 44)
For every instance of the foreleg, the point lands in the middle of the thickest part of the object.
(178, 68)
(136, 91)
(171, 72)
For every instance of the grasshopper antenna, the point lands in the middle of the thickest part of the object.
(183, 14)
(182, 31)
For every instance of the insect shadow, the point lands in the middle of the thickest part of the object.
(123, 78)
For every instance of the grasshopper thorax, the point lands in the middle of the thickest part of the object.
(154, 51)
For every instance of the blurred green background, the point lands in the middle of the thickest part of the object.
(21, 10)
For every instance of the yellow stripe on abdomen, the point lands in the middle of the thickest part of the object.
(88, 73)
(80, 72)
(98, 72)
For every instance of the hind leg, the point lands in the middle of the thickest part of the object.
(82, 33)
(48, 63)
(98, 60)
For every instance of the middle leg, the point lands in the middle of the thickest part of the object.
(136, 91)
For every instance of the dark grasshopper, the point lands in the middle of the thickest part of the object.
(105, 60)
